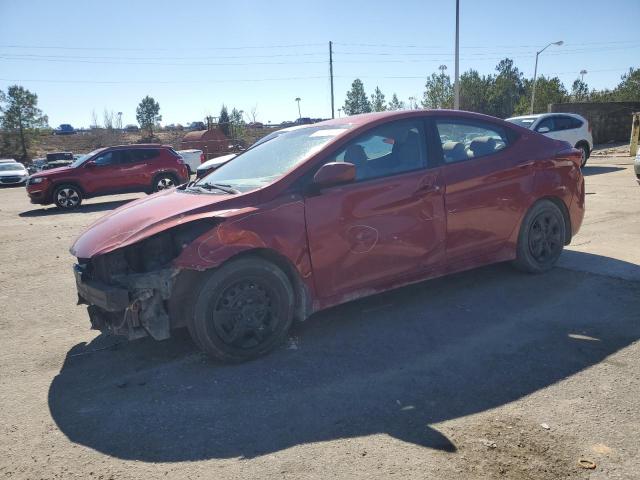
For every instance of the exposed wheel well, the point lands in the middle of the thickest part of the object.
(184, 287)
(303, 301)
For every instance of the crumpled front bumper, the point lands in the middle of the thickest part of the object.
(134, 307)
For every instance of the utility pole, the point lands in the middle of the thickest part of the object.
(582, 74)
(456, 82)
(331, 75)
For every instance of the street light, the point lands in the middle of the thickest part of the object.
(535, 72)
(582, 74)
(298, 100)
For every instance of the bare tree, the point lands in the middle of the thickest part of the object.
(94, 119)
(108, 119)
(253, 114)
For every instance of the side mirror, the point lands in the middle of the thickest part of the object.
(334, 173)
(90, 164)
(543, 130)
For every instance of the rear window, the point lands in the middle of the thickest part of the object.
(523, 122)
(142, 154)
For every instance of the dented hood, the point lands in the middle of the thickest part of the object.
(142, 218)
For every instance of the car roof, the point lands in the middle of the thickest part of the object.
(545, 115)
(376, 117)
(142, 145)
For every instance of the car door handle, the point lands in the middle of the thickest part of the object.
(428, 188)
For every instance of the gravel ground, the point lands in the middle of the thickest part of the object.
(486, 374)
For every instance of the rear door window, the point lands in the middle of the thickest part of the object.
(546, 123)
(464, 140)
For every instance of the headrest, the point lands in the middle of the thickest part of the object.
(482, 146)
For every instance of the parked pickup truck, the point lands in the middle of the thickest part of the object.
(193, 158)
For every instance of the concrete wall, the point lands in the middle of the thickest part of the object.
(610, 121)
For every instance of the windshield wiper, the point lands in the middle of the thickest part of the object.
(217, 186)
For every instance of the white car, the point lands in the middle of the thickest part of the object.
(193, 158)
(210, 165)
(13, 173)
(569, 127)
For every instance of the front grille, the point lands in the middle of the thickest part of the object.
(10, 179)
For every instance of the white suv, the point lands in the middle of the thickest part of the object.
(569, 127)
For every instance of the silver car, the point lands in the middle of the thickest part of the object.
(13, 173)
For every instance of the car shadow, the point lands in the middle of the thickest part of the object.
(589, 170)
(396, 363)
(86, 208)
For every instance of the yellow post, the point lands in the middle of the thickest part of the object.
(635, 134)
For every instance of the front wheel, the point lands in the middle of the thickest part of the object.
(541, 238)
(67, 197)
(243, 310)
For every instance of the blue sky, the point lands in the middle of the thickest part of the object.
(80, 56)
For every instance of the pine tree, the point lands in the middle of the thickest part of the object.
(356, 101)
(395, 104)
(224, 121)
(377, 101)
(438, 92)
(20, 117)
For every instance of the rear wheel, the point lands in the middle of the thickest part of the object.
(67, 196)
(244, 310)
(541, 238)
(584, 149)
(164, 181)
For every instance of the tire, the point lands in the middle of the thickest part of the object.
(67, 197)
(163, 182)
(584, 148)
(541, 238)
(243, 310)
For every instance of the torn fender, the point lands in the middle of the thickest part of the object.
(148, 216)
(278, 226)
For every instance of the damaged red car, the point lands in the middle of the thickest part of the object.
(323, 215)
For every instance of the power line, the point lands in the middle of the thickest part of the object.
(383, 45)
(413, 77)
(164, 82)
(244, 47)
(199, 57)
(181, 64)
(471, 55)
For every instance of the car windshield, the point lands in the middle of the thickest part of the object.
(5, 167)
(79, 161)
(525, 122)
(268, 161)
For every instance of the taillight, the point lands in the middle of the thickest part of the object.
(589, 126)
(202, 158)
(181, 161)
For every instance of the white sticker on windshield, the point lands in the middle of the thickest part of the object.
(327, 132)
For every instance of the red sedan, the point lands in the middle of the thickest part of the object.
(326, 214)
